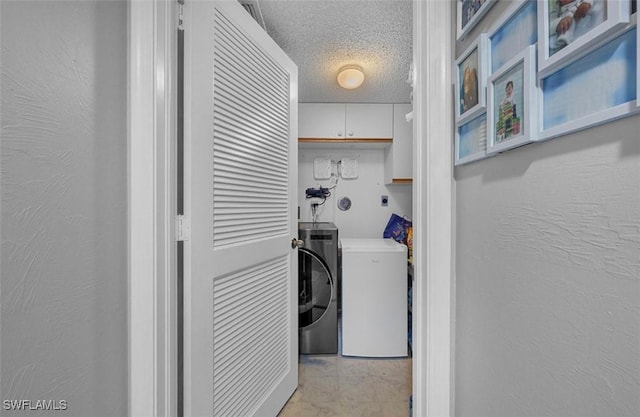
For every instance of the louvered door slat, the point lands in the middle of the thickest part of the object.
(244, 335)
(242, 332)
(245, 141)
(268, 78)
(252, 113)
(251, 160)
(247, 84)
(270, 72)
(255, 116)
(228, 186)
(231, 130)
(246, 180)
(236, 159)
(252, 82)
(262, 80)
(260, 225)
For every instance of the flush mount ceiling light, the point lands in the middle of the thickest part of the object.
(350, 77)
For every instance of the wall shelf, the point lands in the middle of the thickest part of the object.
(402, 181)
(360, 143)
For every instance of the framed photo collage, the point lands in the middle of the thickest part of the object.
(524, 79)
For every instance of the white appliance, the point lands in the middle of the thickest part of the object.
(374, 298)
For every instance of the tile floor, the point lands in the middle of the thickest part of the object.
(336, 386)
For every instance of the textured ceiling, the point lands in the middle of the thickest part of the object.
(322, 36)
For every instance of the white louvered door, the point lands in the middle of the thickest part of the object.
(240, 279)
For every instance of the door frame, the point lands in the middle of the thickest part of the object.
(151, 218)
(433, 208)
(151, 221)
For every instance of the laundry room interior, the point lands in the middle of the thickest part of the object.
(355, 167)
(347, 193)
(369, 198)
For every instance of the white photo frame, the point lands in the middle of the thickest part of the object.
(565, 106)
(605, 18)
(471, 80)
(471, 141)
(511, 115)
(514, 30)
(469, 13)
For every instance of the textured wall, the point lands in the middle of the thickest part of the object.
(548, 278)
(63, 200)
(366, 218)
(548, 275)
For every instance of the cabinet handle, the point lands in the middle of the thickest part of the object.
(339, 133)
(350, 133)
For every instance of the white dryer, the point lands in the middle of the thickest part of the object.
(374, 298)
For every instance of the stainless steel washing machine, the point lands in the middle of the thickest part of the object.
(318, 288)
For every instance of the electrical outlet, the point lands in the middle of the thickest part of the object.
(384, 200)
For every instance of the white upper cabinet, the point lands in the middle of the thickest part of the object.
(321, 120)
(342, 121)
(398, 158)
(369, 121)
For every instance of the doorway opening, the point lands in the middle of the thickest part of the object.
(358, 379)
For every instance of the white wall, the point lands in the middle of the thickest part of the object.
(366, 218)
(548, 277)
(63, 199)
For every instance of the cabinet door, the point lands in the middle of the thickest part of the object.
(402, 142)
(369, 121)
(398, 158)
(321, 120)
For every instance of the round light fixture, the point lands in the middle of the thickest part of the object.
(350, 77)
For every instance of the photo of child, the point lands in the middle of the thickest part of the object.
(570, 19)
(509, 100)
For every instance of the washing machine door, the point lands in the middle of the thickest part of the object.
(315, 286)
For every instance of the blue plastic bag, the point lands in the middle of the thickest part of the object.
(397, 228)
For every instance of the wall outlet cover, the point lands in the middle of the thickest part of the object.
(322, 168)
(349, 168)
